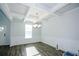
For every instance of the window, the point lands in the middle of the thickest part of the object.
(1, 28)
(28, 31)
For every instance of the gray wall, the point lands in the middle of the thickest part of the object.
(18, 34)
(4, 21)
(62, 30)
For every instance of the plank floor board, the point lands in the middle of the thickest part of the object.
(20, 50)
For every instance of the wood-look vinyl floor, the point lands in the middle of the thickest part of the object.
(20, 50)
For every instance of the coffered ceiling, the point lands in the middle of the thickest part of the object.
(35, 12)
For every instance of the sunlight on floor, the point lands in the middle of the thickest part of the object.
(32, 51)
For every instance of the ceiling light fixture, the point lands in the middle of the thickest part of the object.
(36, 25)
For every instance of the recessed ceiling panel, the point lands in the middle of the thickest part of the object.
(36, 14)
(67, 8)
(18, 8)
